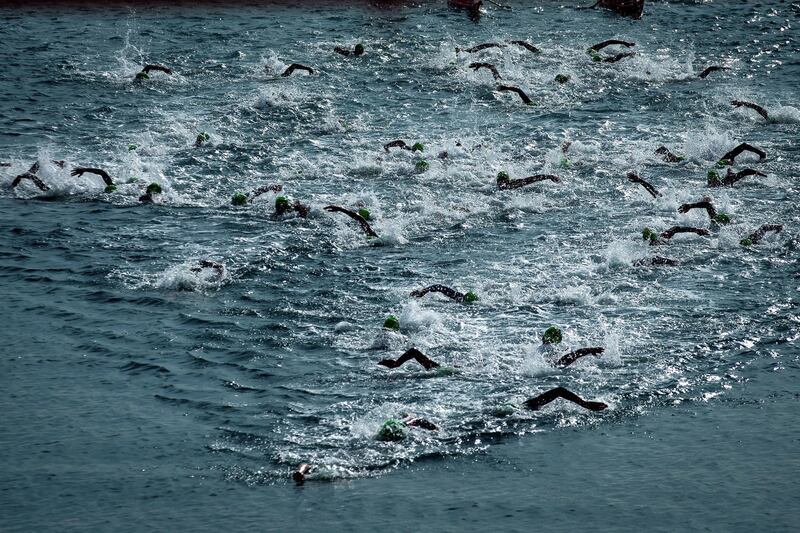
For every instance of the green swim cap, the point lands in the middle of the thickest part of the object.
(552, 335)
(502, 175)
(421, 166)
(679, 158)
(203, 136)
(595, 56)
(110, 188)
(392, 430)
(281, 202)
(359, 49)
(131, 147)
(722, 218)
(364, 213)
(239, 199)
(648, 234)
(722, 163)
(713, 178)
(142, 76)
(470, 297)
(154, 188)
(747, 241)
(564, 163)
(562, 78)
(418, 147)
(391, 322)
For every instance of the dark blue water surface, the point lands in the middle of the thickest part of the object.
(141, 395)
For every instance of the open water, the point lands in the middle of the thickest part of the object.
(140, 395)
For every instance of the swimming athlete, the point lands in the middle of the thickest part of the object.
(655, 261)
(31, 175)
(756, 236)
(705, 203)
(594, 49)
(152, 189)
(242, 199)
(503, 181)
(757, 108)
(447, 291)
(669, 157)
(731, 177)
(201, 138)
(571, 357)
(713, 68)
(728, 158)
(489, 66)
(359, 50)
(204, 263)
(145, 73)
(355, 216)
(416, 147)
(647, 186)
(534, 404)
(626, 8)
(282, 207)
(296, 66)
(517, 90)
(480, 47)
(412, 353)
(665, 236)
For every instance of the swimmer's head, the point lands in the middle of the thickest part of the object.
(391, 322)
(281, 204)
(364, 212)
(110, 188)
(564, 163)
(713, 178)
(142, 76)
(594, 55)
(502, 176)
(649, 235)
(747, 241)
(202, 136)
(359, 49)
(421, 166)
(239, 199)
(552, 335)
(418, 147)
(722, 218)
(153, 188)
(470, 297)
(392, 430)
(562, 78)
(131, 147)
(722, 163)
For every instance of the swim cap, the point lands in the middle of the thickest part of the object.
(364, 213)
(359, 49)
(648, 234)
(131, 147)
(552, 335)
(713, 178)
(502, 175)
(722, 218)
(747, 241)
(722, 163)
(110, 188)
(470, 297)
(391, 322)
(392, 430)
(203, 136)
(421, 166)
(281, 202)
(239, 199)
(564, 163)
(154, 188)
(562, 78)
(142, 76)
(418, 147)
(595, 56)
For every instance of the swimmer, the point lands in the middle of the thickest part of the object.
(31, 175)
(757, 108)
(242, 199)
(517, 90)
(731, 177)
(204, 264)
(394, 430)
(626, 8)
(656, 260)
(594, 49)
(355, 216)
(756, 236)
(712, 68)
(489, 66)
(79, 171)
(503, 181)
(665, 236)
(479, 47)
(728, 158)
(416, 147)
(302, 471)
(669, 157)
(528, 46)
(201, 138)
(412, 353)
(282, 206)
(571, 357)
(145, 73)
(152, 189)
(460, 297)
(632, 176)
(705, 203)
(296, 66)
(358, 51)
(534, 404)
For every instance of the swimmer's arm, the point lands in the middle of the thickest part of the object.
(669, 157)
(266, 188)
(600, 46)
(148, 68)
(619, 56)
(757, 108)
(476, 66)
(705, 204)
(420, 423)
(355, 216)
(420, 357)
(517, 90)
(577, 354)
(732, 178)
(731, 155)
(447, 291)
(534, 404)
(711, 69)
(205, 263)
(296, 66)
(671, 232)
(100, 172)
(396, 144)
(655, 260)
(340, 50)
(302, 471)
(483, 46)
(757, 235)
(527, 45)
(648, 187)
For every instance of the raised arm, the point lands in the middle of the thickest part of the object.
(492, 68)
(647, 186)
(528, 46)
(600, 46)
(534, 404)
(266, 188)
(705, 203)
(410, 354)
(447, 291)
(517, 90)
(668, 156)
(733, 177)
(571, 357)
(744, 147)
(34, 178)
(480, 47)
(355, 216)
(100, 172)
(671, 232)
(622, 55)
(757, 108)
(504, 182)
(396, 144)
(161, 68)
(712, 68)
(296, 66)
(757, 235)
